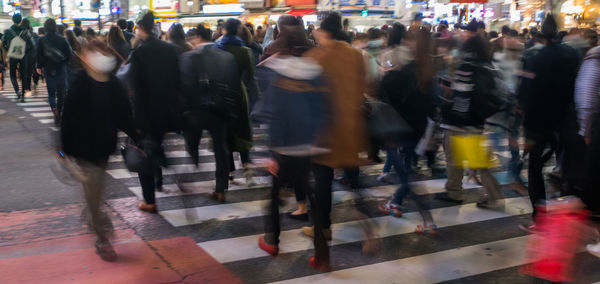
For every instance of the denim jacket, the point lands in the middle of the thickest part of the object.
(293, 104)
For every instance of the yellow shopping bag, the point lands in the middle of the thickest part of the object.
(470, 151)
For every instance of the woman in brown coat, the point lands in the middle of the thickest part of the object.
(346, 134)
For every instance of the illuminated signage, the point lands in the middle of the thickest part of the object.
(223, 9)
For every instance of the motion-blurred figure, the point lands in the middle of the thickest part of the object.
(240, 131)
(95, 108)
(345, 134)
(156, 85)
(52, 58)
(409, 90)
(210, 80)
(294, 107)
(549, 109)
(462, 115)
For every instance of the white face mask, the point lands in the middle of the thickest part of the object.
(100, 62)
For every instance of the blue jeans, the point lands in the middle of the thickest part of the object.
(56, 82)
(401, 160)
(387, 166)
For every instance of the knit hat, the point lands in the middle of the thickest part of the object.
(472, 26)
(16, 18)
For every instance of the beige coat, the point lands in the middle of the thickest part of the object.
(346, 134)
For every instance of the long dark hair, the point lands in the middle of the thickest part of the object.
(423, 58)
(477, 48)
(72, 40)
(292, 41)
(115, 36)
(176, 34)
(396, 34)
(25, 25)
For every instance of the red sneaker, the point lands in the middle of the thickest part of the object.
(391, 209)
(271, 249)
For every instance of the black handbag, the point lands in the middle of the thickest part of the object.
(384, 122)
(136, 159)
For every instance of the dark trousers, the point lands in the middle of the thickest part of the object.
(150, 182)
(217, 127)
(293, 170)
(537, 142)
(296, 170)
(21, 66)
(323, 180)
(36, 77)
(56, 83)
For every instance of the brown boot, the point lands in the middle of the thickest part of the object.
(218, 196)
(151, 208)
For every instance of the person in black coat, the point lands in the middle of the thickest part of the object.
(549, 110)
(201, 110)
(94, 109)
(53, 55)
(156, 85)
(409, 91)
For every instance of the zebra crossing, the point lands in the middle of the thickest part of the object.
(35, 105)
(472, 241)
(229, 232)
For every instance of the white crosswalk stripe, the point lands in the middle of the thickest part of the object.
(36, 109)
(33, 103)
(431, 268)
(46, 121)
(42, 114)
(348, 232)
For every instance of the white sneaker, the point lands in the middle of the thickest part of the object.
(249, 175)
(594, 249)
(383, 177)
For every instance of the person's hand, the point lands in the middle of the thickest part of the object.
(587, 140)
(272, 167)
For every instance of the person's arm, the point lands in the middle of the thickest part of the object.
(249, 80)
(587, 94)
(188, 80)
(124, 115)
(41, 60)
(69, 116)
(6, 38)
(67, 51)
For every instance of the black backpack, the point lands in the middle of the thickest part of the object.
(214, 92)
(491, 95)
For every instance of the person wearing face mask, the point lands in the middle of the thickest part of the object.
(94, 109)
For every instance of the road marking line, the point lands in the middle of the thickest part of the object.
(431, 268)
(32, 109)
(293, 240)
(42, 114)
